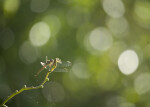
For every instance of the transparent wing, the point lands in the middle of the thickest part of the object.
(63, 67)
(44, 67)
(64, 64)
(43, 64)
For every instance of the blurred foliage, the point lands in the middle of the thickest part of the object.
(108, 42)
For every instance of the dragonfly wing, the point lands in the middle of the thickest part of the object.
(66, 64)
(43, 64)
(61, 70)
(44, 67)
(63, 67)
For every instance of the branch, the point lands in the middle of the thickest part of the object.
(27, 88)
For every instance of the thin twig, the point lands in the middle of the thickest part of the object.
(27, 88)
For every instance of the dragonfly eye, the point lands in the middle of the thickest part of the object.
(58, 60)
(51, 60)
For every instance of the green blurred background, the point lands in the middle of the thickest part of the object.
(107, 41)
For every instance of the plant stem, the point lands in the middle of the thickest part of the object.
(26, 88)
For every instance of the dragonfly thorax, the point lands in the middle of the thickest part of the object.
(51, 64)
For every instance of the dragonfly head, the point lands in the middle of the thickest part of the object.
(58, 60)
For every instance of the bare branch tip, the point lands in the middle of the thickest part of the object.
(25, 86)
(42, 86)
(47, 79)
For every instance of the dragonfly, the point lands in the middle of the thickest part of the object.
(51, 64)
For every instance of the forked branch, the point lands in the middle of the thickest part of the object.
(53, 66)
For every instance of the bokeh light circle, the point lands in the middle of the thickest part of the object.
(39, 34)
(128, 62)
(142, 9)
(28, 53)
(118, 26)
(54, 92)
(141, 83)
(54, 22)
(11, 6)
(80, 70)
(114, 8)
(141, 13)
(100, 39)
